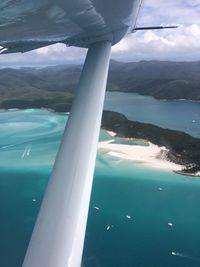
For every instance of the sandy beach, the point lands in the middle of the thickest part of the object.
(111, 133)
(151, 155)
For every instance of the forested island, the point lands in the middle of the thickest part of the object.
(183, 148)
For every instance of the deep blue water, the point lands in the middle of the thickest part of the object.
(29, 140)
(182, 115)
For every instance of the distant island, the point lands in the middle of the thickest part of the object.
(54, 87)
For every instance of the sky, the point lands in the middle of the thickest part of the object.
(182, 44)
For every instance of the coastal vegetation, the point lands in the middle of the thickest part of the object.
(183, 148)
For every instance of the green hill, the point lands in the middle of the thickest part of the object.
(54, 87)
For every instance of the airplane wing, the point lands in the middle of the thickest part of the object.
(23, 46)
(27, 25)
(58, 236)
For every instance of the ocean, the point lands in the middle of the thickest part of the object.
(146, 217)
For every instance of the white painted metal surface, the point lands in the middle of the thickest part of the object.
(58, 236)
(28, 24)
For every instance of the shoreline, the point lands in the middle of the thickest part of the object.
(152, 155)
(195, 175)
(156, 98)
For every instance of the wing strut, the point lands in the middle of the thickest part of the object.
(155, 28)
(58, 236)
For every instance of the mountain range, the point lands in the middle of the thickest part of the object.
(54, 86)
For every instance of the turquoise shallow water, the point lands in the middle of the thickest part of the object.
(29, 140)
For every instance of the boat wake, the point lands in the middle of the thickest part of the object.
(26, 152)
(178, 254)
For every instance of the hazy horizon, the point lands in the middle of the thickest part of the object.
(54, 64)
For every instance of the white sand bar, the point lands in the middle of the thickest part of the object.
(111, 133)
(151, 155)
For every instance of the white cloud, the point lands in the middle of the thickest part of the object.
(181, 12)
(49, 55)
(176, 44)
(60, 52)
